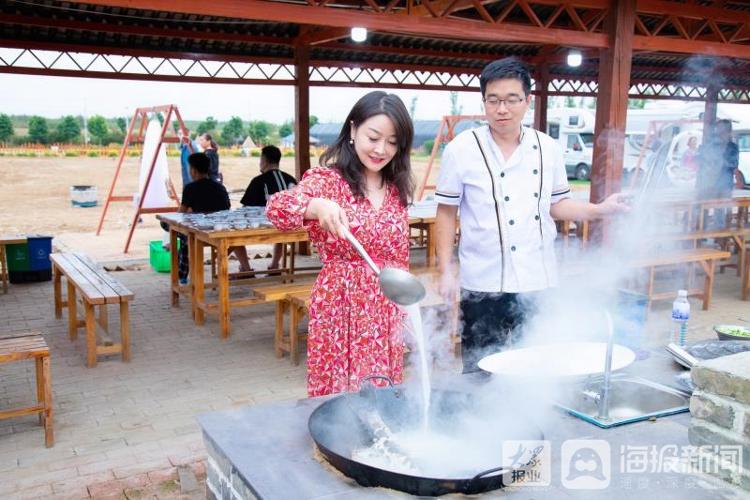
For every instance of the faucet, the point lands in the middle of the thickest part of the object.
(604, 395)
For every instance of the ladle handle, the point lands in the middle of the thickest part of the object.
(361, 250)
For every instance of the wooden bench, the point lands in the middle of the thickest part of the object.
(706, 257)
(31, 345)
(738, 236)
(7, 240)
(278, 293)
(97, 289)
(299, 305)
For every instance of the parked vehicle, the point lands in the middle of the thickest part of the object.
(742, 136)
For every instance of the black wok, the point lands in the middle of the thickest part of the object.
(338, 432)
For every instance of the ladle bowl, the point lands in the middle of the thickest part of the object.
(398, 285)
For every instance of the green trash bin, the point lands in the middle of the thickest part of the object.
(18, 257)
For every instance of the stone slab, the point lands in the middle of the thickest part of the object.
(269, 448)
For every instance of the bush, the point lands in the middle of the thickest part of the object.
(288, 154)
(134, 154)
(71, 153)
(255, 153)
(113, 154)
(428, 145)
(93, 154)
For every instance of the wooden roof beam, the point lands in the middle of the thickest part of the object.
(346, 18)
(693, 11)
(128, 29)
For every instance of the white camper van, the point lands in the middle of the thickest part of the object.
(574, 129)
(742, 136)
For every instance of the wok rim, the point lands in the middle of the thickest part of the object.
(463, 484)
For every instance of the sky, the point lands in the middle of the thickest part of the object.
(52, 96)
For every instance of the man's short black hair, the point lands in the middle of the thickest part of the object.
(200, 162)
(508, 68)
(724, 123)
(272, 154)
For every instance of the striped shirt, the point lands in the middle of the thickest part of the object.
(507, 232)
(263, 186)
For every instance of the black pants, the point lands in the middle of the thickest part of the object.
(488, 322)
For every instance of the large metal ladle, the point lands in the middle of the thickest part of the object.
(400, 286)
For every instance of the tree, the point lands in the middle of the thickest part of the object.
(313, 120)
(6, 128)
(207, 126)
(636, 103)
(259, 131)
(98, 128)
(68, 129)
(413, 107)
(570, 102)
(233, 131)
(38, 130)
(122, 124)
(455, 108)
(286, 129)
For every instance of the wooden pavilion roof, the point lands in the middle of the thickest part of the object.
(678, 44)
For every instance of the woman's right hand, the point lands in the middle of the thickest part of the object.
(330, 216)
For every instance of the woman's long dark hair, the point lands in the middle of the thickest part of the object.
(210, 139)
(342, 156)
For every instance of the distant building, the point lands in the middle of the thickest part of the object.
(424, 130)
(288, 141)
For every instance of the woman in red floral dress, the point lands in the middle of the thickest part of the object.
(364, 184)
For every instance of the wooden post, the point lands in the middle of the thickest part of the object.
(302, 118)
(302, 110)
(709, 114)
(540, 99)
(615, 64)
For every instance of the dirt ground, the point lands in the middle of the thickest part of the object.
(36, 200)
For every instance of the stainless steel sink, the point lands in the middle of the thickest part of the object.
(631, 399)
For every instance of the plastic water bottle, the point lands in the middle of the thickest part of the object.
(680, 317)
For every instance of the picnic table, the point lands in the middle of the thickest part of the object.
(7, 240)
(221, 241)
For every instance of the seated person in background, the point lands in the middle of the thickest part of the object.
(202, 196)
(270, 181)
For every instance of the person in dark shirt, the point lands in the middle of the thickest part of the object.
(211, 150)
(718, 159)
(202, 196)
(270, 181)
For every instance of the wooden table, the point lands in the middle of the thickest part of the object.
(705, 257)
(221, 241)
(427, 224)
(7, 240)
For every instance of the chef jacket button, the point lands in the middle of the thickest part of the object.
(502, 174)
(511, 222)
(536, 195)
(507, 198)
(513, 248)
(534, 146)
(536, 217)
(536, 171)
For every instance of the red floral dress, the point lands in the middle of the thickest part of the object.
(354, 330)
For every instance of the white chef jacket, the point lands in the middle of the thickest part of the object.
(507, 232)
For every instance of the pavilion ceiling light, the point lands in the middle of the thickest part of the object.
(575, 58)
(359, 34)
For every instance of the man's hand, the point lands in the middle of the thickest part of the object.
(614, 204)
(448, 285)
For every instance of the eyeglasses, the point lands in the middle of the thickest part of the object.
(510, 102)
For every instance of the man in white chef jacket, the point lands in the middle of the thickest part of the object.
(509, 182)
